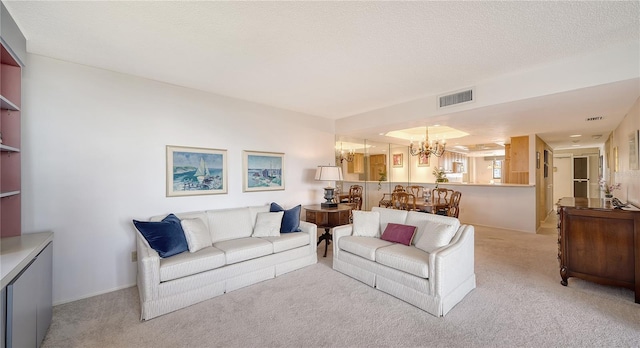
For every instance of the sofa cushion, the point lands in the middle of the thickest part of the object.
(366, 223)
(404, 258)
(253, 211)
(291, 218)
(267, 224)
(288, 241)
(362, 246)
(166, 236)
(196, 233)
(187, 215)
(399, 233)
(186, 264)
(435, 235)
(395, 216)
(230, 224)
(241, 249)
(416, 218)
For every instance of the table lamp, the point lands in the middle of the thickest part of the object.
(329, 173)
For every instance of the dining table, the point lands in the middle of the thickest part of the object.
(431, 207)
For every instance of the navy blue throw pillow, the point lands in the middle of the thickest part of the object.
(291, 218)
(166, 236)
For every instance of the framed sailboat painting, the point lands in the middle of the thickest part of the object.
(196, 171)
(262, 171)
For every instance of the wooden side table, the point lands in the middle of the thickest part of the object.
(598, 243)
(327, 218)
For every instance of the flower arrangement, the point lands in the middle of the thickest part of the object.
(382, 177)
(608, 189)
(440, 175)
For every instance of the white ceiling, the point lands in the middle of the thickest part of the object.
(339, 59)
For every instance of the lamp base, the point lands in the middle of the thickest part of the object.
(328, 195)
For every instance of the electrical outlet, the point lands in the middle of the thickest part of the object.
(134, 256)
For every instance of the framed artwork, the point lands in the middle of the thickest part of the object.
(497, 169)
(397, 160)
(423, 161)
(262, 171)
(196, 171)
(615, 159)
(546, 156)
(633, 150)
(600, 169)
(546, 170)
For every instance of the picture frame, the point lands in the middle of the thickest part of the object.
(633, 150)
(423, 160)
(262, 171)
(615, 159)
(195, 171)
(497, 169)
(546, 170)
(397, 159)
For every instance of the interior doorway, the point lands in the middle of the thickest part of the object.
(581, 176)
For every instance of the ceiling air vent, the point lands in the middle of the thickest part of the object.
(595, 118)
(456, 98)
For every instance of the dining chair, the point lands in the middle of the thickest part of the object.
(416, 190)
(355, 197)
(440, 200)
(403, 201)
(454, 204)
(387, 198)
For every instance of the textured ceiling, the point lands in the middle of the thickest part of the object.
(331, 59)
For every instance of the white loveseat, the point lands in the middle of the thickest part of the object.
(234, 260)
(433, 281)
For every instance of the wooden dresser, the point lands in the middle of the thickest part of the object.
(598, 243)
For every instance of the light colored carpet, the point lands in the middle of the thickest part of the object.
(518, 302)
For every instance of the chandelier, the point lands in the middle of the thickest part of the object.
(349, 157)
(427, 148)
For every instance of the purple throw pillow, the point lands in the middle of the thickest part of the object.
(398, 233)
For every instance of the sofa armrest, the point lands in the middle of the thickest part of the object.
(312, 230)
(148, 269)
(452, 264)
(339, 232)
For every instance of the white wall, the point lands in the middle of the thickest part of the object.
(94, 159)
(629, 179)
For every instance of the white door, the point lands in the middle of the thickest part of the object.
(562, 177)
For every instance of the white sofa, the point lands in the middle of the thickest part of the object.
(234, 260)
(433, 281)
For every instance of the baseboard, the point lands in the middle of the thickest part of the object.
(56, 303)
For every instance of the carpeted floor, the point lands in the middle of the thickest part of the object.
(518, 302)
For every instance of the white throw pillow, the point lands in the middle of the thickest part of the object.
(366, 223)
(434, 236)
(196, 233)
(268, 224)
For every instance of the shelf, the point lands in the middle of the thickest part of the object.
(6, 104)
(9, 194)
(5, 148)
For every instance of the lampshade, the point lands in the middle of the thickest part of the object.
(329, 173)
